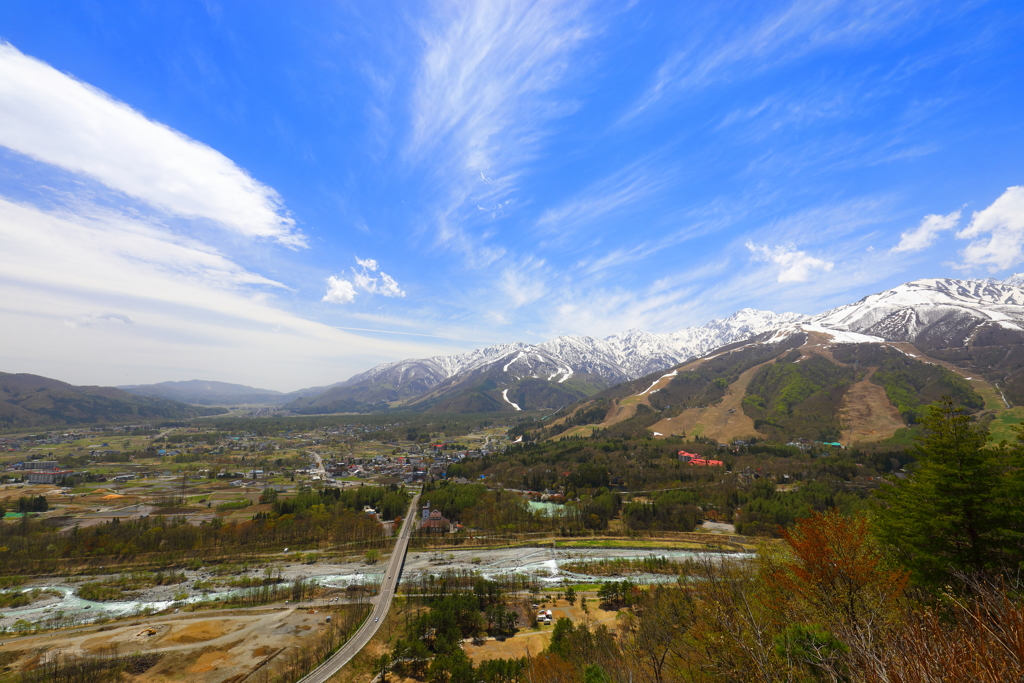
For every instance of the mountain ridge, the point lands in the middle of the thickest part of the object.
(212, 393)
(33, 400)
(944, 316)
(596, 363)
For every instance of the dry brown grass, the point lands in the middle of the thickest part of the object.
(533, 642)
(978, 638)
(715, 421)
(867, 413)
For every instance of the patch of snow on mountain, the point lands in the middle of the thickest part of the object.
(836, 336)
(841, 336)
(635, 353)
(504, 395)
(505, 369)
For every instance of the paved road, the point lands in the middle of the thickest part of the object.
(319, 464)
(380, 610)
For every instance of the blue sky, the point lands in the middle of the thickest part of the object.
(284, 194)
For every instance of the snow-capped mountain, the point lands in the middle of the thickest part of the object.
(940, 312)
(932, 313)
(614, 359)
(636, 353)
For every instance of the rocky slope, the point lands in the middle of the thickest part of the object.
(977, 325)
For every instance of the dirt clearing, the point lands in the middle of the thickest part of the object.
(533, 642)
(724, 422)
(202, 631)
(868, 414)
(200, 647)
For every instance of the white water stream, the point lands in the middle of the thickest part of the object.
(545, 564)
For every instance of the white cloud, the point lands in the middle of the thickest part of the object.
(342, 291)
(363, 280)
(98, 297)
(794, 265)
(54, 118)
(339, 291)
(997, 233)
(524, 283)
(369, 264)
(99, 249)
(925, 234)
(389, 287)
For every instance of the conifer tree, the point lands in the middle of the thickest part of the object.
(949, 514)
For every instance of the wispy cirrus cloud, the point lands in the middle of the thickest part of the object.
(487, 78)
(626, 188)
(802, 27)
(486, 91)
(524, 283)
(54, 118)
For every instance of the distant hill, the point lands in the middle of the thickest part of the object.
(211, 393)
(34, 401)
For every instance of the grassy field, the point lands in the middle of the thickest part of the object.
(1005, 419)
(993, 400)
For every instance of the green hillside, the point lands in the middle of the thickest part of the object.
(793, 398)
(32, 401)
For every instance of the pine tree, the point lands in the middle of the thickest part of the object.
(949, 515)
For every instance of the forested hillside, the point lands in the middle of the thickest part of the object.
(31, 401)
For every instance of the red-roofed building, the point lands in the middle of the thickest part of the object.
(698, 461)
(433, 521)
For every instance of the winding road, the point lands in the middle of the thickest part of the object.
(380, 609)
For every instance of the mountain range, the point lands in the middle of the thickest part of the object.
(976, 323)
(524, 376)
(971, 327)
